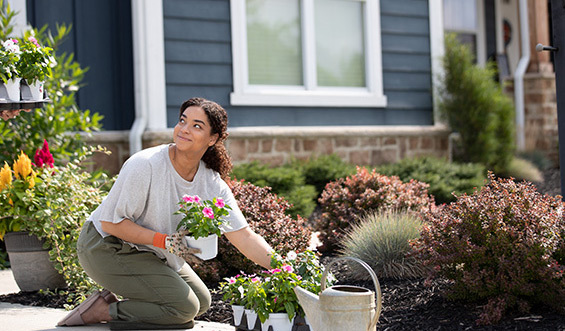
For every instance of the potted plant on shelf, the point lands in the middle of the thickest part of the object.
(35, 65)
(42, 209)
(202, 221)
(9, 57)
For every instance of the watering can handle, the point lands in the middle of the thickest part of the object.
(375, 281)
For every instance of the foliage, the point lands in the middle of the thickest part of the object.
(499, 245)
(202, 217)
(320, 170)
(537, 157)
(474, 105)
(60, 120)
(234, 289)
(265, 213)
(522, 169)
(382, 240)
(286, 181)
(9, 57)
(446, 179)
(346, 200)
(35, 61)
(55, 209)
(306, 265)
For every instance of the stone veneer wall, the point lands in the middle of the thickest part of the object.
(541, 129)
(371, 145)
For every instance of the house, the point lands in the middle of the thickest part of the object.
(297, 77)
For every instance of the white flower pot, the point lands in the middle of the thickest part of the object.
(280, 322)
(237, 314)
(36, 89)
(208, 246)
(13, 89)
(251, 316)
(265, 325)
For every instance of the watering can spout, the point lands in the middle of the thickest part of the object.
(310, 302)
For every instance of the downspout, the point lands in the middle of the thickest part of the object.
(519, 75)
(140, 76)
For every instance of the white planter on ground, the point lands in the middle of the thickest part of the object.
(251, 316)
(237, 314)
(36, 89)
(265, 325)
(13, 89)
(280, 322)
(208, 246)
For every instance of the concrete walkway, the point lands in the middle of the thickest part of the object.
(28, 318)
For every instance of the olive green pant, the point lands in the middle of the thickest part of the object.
(154, 292)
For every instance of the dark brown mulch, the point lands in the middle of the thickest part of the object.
(407, 304)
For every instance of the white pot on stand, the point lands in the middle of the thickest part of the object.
(280, 322)
(237, 314)
(13, 88)
(208, 246)
(251, 316)
(36, 89)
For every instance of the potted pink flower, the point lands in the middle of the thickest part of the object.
(202, 221)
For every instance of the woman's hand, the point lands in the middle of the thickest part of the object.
(176, 244)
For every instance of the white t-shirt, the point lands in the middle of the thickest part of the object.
(148, 190)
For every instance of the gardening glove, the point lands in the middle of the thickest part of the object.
(175, 244)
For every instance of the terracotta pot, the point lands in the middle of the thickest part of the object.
(30, 263)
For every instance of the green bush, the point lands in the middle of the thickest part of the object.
(318, 171)
(445, 178)
(59, 121)
(501, 246)
(285, 181)
(346, 200)
(382, 240)
(522, 169)
(475, 106)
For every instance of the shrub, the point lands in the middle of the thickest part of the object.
(382, 239)
(522, 169)
(499, 245)
(346, 200)
(445, 178)
(265, 213)
(474, 105)
(285, 181)
(318, 171)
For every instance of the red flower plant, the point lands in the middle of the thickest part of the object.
(43, 156)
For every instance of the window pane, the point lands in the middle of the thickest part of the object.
(340, 46)
(273, 42)
(460, 15)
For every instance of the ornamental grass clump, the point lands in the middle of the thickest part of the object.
(346, 200)
(382, 240)
(501, 246)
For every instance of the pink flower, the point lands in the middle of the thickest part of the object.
(208, 212)
(43, 156)
(33, 40)
(220, 203)
(276, 270)
(275, 299)
(187, 198)
(196, 199)
(287, 268)
(231, 280)
(255, 279)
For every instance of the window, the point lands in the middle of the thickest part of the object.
(462, 17)
(307, 53)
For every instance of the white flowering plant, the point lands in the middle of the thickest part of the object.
(9, 57)
(202, 217)
(234, 289)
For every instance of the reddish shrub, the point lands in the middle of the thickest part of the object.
(498, 245)
(265, 213)
(346, 200)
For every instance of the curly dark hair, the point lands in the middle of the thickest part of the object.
(216, 157)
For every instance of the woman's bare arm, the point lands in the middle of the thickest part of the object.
(129, 231)
(252, 245)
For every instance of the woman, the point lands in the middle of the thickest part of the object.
(126, 244)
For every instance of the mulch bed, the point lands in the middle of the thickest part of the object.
(407, 304)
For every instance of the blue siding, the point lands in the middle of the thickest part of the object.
(198, 63)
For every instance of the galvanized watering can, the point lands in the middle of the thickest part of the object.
(342, 307)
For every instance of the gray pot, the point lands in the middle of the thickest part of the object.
(30, 263)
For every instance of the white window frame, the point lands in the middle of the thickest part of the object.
(308, 95)
(479, 32)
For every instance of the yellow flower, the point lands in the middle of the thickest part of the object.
(22, 167)
(5, 176)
